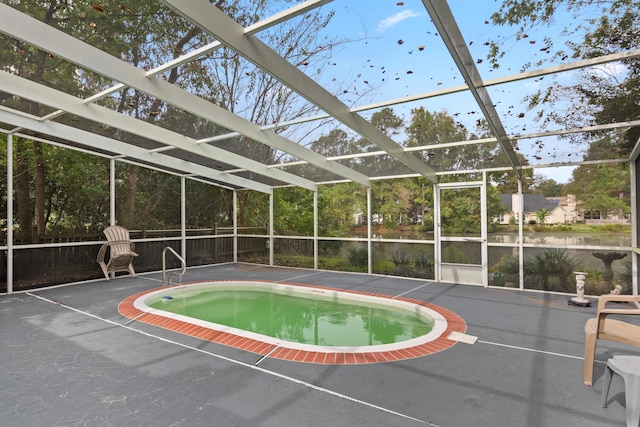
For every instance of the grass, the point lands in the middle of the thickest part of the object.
(571, 228)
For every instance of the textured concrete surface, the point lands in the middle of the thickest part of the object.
(68, 358)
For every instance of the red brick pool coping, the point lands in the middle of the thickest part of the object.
(454, 324)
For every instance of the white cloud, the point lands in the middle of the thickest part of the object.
(395, 19)
(609, 70)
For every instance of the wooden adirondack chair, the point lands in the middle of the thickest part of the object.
(604, 328)
(121, 252)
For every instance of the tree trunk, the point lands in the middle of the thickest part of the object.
(40, 182)
(621, 211)
(23, 199)
(130, 204)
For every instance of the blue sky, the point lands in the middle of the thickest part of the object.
(398, 52)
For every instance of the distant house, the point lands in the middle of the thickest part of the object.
(561, 210)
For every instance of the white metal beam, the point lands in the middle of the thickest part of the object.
(38, 34)
(556, 69)
(450, 33)
(99, 142)
(232, 34)
(204, 50)
(44, 95)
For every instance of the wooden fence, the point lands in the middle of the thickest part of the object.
(46, 266)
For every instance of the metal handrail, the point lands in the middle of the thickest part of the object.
(164, 266)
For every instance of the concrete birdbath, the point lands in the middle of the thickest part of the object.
(607, 273)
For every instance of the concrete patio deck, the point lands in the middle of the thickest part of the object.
(68, 358)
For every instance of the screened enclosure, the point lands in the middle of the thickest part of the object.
(483, 144)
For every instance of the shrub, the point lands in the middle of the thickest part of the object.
(549, 270)
(424, 265)
(390, 224)
(358, 256)
(625, 277)
(402, 262)
(383, 267)
(427, 225)
(509, 267)
(454, 255)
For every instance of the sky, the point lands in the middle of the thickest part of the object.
(396, 52)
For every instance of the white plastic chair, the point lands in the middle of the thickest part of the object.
(628, 367)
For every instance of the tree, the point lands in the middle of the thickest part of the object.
(506, 181)
(542, 214)
(391, 125)
(602, 96)
(337, 206)
(602, 187)
(427, 128)
(549, 187)
(146, 34)
(207, 205)
(293, 211)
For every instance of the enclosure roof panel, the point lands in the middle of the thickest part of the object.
(278, 93)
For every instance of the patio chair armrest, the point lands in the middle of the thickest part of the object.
(623, 311)
(102, 252)
(604, 299)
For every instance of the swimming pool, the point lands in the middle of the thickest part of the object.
(313, 348)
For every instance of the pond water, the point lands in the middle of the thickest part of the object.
(565, 239)
(562, 239)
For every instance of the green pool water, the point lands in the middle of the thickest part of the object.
(299, 319)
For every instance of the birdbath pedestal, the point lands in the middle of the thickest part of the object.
(607, 273)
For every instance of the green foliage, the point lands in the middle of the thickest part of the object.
(599, 98)
(61, 190)
(156, 201)
(540, 228)
(509, 267)
(506, 181)
(293, 211)
(207, 205)
(383, 267)
(337, 206)
(549, 270)
(358, 256)
(424, 264)
(392, 199)
(330, 248)
(454, 255)
(550, 188)
(427, 225)
(611, 228)
(337, 264)
(460, 211)
(400, 258)
(403, 265)
(299, 261)
(542, 215)
(625, 277)
(76, 191)
(390, 224)
(602, 187)
(253, 209)
(411, 265)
